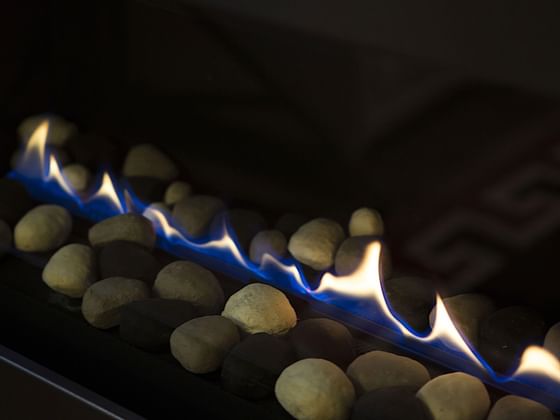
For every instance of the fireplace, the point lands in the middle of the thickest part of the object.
(278, 123)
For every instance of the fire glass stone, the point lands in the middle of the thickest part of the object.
(147, 189)
(504, 335)
(94, 151)
(124, 227)
(146, 160)
(14, 201)
(351, 253)
(194, 214)
(42, 229)
(393, 403)
(252, 367)
(148, 324)
(512, 407)
(127, 259)
(323, 338)
(271, 242)
(245, 224)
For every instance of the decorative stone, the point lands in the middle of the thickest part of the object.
(146, 188)
(14, 201)
(5, 237)
(412, 298)
(147, 160)
(552, 340)
(77, 175)
(177, 191)
(190, 282)
(124, 227)
(194, 214)
(93, 150)
(289, 223)
(201, 344)
(315, 389)
(103, 301)
(455, 396)
(260, 308)
(380, 369)
(323, 338)
(148, 324)
(43, 229)
(245, 224)
(512, 407)
(365, 221)
(315, 243)
(466, 311)
(127, 259)
(59, 132)
(393, 403)
(351, 253)
(506, 333)
(252, 367)
(71, 270)
(272, 242)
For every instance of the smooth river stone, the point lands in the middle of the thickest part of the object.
(194, 214)
(146, 189)
(5, 237)
(124, 227)
(393, 403)
(77, 175)
(260, 308)
(323, 338)
(455, 396)
(316, 242)
(59, 132)
(467, 311)
(148, 324)
(190, 282)
(252, 367)
(201, 344)
(271, 242)
(315, 389)
(71, 270)
(351, 253)
(552, 340)
(380, 369)
(147, 160)
(103, 301)
(14, 201)
(504, 335)
(512, 407)
(176, 191)
(365, 221)
(43, 229)
(127, 259)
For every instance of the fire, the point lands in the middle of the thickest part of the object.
(537, 361)
(107, 192)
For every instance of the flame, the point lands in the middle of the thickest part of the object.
(55, 174)
(537, 361)
(107, 192)
(33, 159)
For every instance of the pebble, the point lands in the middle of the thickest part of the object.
(44, 228)
(190, 282)
(272, 242)
(323, 338)
(412, 299)
(147, 160)
(512, 407)
(148, 324)
(146, 188)
(103, 301)
(365, 221)
(504, 335)
(127, 259)
(93, 151)
(77, 175)
(5, 237)
(252, 367)
(351, 252)
(14, 201)
(289, 223)
(467, 311)
(552, 340)
(59, 132)
(194, 214)
(245, 224)
(176, 191)
(380, 369)
(124, 227)
(201, 344)
(393, 403)
(455, 396)
(316, 242)
(315, 389)
(260, 308)
(71, 270)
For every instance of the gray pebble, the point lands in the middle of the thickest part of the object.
(316, 242)
(71, 270)
(124, 227)
(201, 344)
(272, 242)
(102, 301)
(77, 175)
(260, 308)
(5, 237)
(365, 221)
(512, 407)
(380, 369)
(43, 228)
(351, 252)
(552, 340)
(315, 389)
(177, 191)
(455, 396)
(60, 130)
(190, 282)
(194, 214)
(147, 160)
